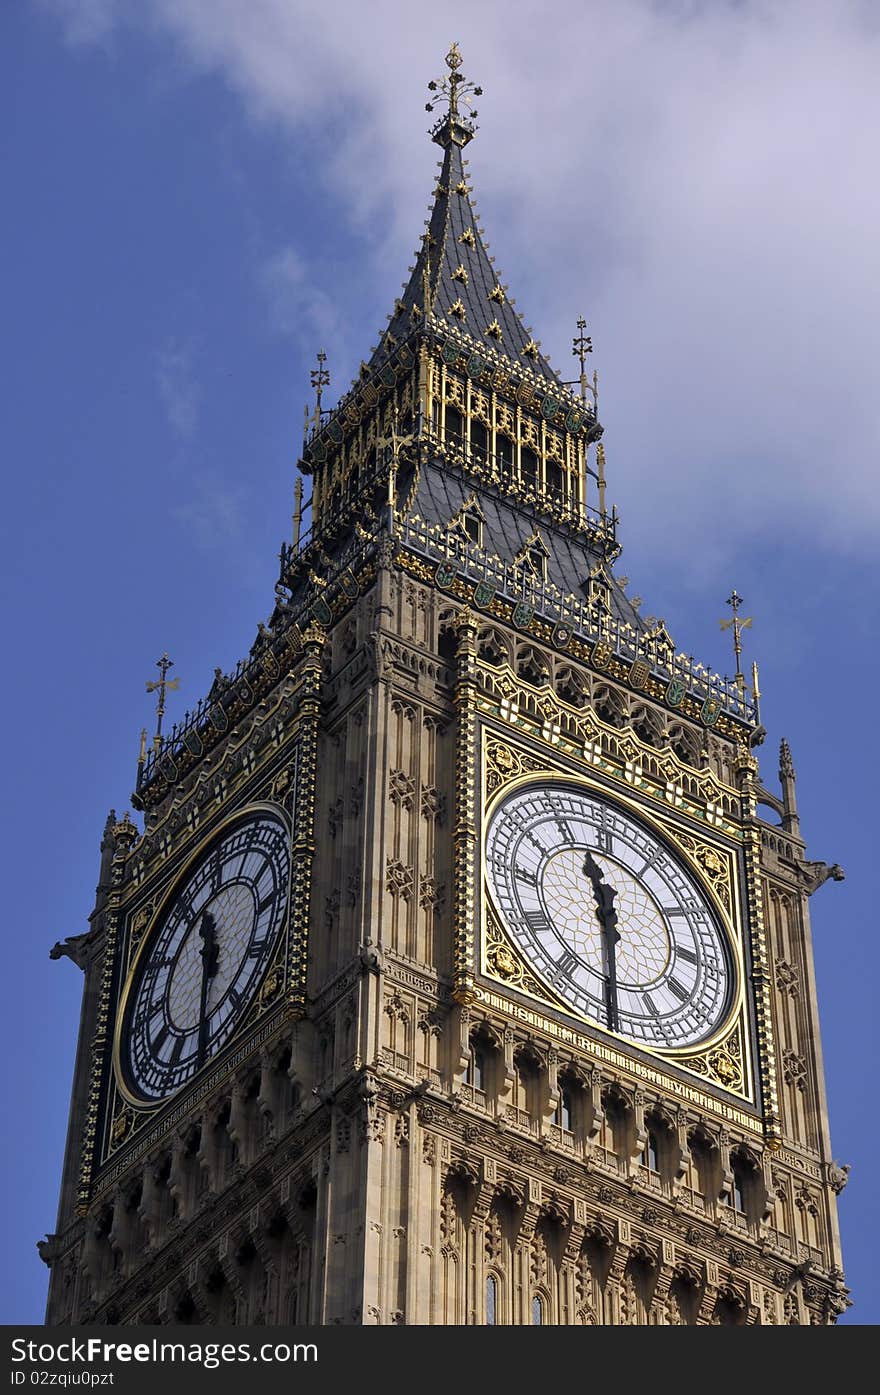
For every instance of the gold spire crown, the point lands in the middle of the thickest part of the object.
(455, 125)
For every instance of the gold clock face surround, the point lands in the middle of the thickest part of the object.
(676, 975)
(234, 888)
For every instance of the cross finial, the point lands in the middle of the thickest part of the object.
(734, 600)
(456, 89)
(320, 378)
(162, 685)
(581, 346)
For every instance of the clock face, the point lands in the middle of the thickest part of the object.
(608, 916)
(207, 956)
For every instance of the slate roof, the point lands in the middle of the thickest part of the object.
(454, 243)
(440, 494)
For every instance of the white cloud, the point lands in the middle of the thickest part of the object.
(213, 515)
(177, 387)
(699, 178)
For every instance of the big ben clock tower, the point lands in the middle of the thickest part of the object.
(461, 972)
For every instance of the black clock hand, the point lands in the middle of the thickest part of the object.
(210, 952)
(607, 917)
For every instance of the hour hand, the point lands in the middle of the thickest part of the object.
(210, 950)
(604, 895)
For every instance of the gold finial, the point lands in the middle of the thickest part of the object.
(756, 693)
(393, 442)
(734, 623)
(142, 753)
(297, 511)
(600, 478)
(456, 89)
(162, 685)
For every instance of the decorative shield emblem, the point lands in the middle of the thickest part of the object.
(475, 366)
(246, 692)
(322, 612)
(348, 583)
(318, 451)
(167, 769)
(549, 408)
(483, 593)
(675, 692)
(388, 375)
(562, 634)
(524, 395)
(523, 614)
(405, 357)
(575, 419)
(445, 575)
(710, 712)
(194, 744)
(269, 664)
(369, 394)
(352, 414)
(601, 654)
(218, 718)
(449, 353)
(335, 432)
(500, 379)
(639, 673)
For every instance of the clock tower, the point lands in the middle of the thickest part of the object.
(461, 970)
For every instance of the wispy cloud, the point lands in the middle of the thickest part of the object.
(213, 515)
(297, 305)
(701, 179)
(177, 387)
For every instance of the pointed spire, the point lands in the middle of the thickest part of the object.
(454, 279)
(790, 820)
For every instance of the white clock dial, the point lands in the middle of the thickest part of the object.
(608, 915)
(207, 956)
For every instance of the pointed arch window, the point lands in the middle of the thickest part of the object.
(491, 1301)
(537, 1311)
(652, 1152)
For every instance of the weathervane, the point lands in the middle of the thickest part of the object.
(162, 685)
(734, 623)
(454, 88)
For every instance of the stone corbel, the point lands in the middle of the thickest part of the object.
(598, 1113)
(622, 1248)
(665, 1271)
(709, 1296)
(577, 1229)
(531, 1211)
(485, 1189)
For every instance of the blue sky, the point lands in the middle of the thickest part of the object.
(200, 195)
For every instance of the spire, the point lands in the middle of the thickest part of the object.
(454, 278)
(790, 821)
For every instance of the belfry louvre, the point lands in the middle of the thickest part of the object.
(460, 972)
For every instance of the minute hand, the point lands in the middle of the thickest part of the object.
(607, 917)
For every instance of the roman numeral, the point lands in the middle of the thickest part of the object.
(266, 901)
(522, 875)
(686, 954)
(650, 1005)
(536, 920)
(567, 963)
(675, 987)
(604, 839)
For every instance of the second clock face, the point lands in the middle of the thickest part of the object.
(608, 916)
(207, 956)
